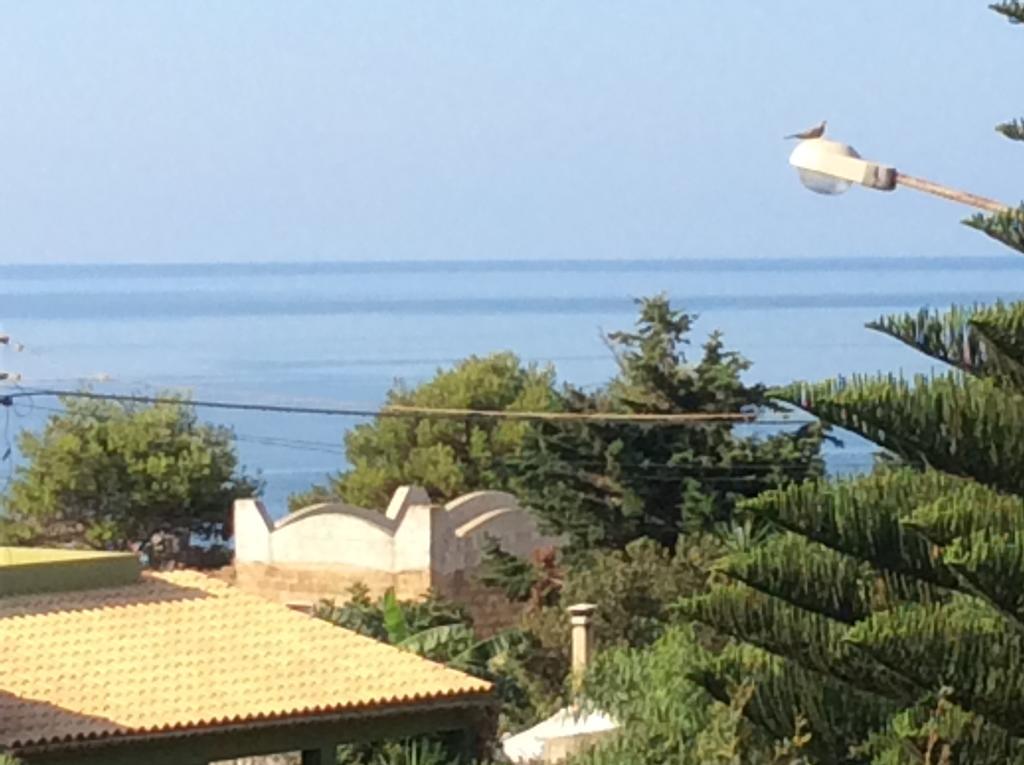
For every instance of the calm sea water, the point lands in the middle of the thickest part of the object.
(341, 333)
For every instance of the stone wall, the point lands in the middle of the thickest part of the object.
(320, 551)
(296, 584)
(490, 609)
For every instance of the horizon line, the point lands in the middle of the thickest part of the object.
(758, 263)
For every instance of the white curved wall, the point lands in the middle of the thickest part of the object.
(412, 535)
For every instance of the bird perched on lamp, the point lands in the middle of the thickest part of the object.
(814, 132)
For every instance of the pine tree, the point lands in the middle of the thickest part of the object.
(888, 610)
(604, 485)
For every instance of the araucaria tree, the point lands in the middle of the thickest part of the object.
(124, 477)
(888, 611)
(605, 484)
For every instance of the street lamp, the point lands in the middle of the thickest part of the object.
(830, 167)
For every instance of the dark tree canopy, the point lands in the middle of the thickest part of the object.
(606, 484)
(124, 477)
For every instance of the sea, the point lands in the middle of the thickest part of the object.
(339, 334)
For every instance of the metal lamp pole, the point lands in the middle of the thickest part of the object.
(963, 197)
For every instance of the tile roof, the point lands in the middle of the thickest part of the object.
(182, 651)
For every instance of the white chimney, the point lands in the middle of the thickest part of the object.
(574, 727)
(582, 636)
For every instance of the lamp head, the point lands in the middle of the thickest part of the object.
(830, 167)
(811, 158)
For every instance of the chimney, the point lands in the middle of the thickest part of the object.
(582, 636)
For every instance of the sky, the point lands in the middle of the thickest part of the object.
(244, 130)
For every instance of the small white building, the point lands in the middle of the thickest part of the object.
(571, 728)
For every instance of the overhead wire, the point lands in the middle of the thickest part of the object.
(418, 412)
(294, 444)
(652, 471)
(335, 448)
(657, 472)
(289, 443)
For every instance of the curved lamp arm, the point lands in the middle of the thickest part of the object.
(830, 167)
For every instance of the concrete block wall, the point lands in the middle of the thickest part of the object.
(490, 609)
(414, 545)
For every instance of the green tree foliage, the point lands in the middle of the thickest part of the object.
(606, 484)
(387, 618)
(660, 711)
(635, 589)
(887, 612)
(447, 457)
(422, 750)
(438, 630)
(1013, 10)
(414, 752)
(1014, 129)
(665, 718)
(519, 579)
(118, 476)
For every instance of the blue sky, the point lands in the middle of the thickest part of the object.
(249, 130)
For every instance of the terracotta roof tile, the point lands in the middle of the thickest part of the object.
(183, 651)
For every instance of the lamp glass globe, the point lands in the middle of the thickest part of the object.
(813, 153)
(820, 183)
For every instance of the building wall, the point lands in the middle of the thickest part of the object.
(320, 551)
(294, 584)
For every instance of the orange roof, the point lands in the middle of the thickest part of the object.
(182, 651)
